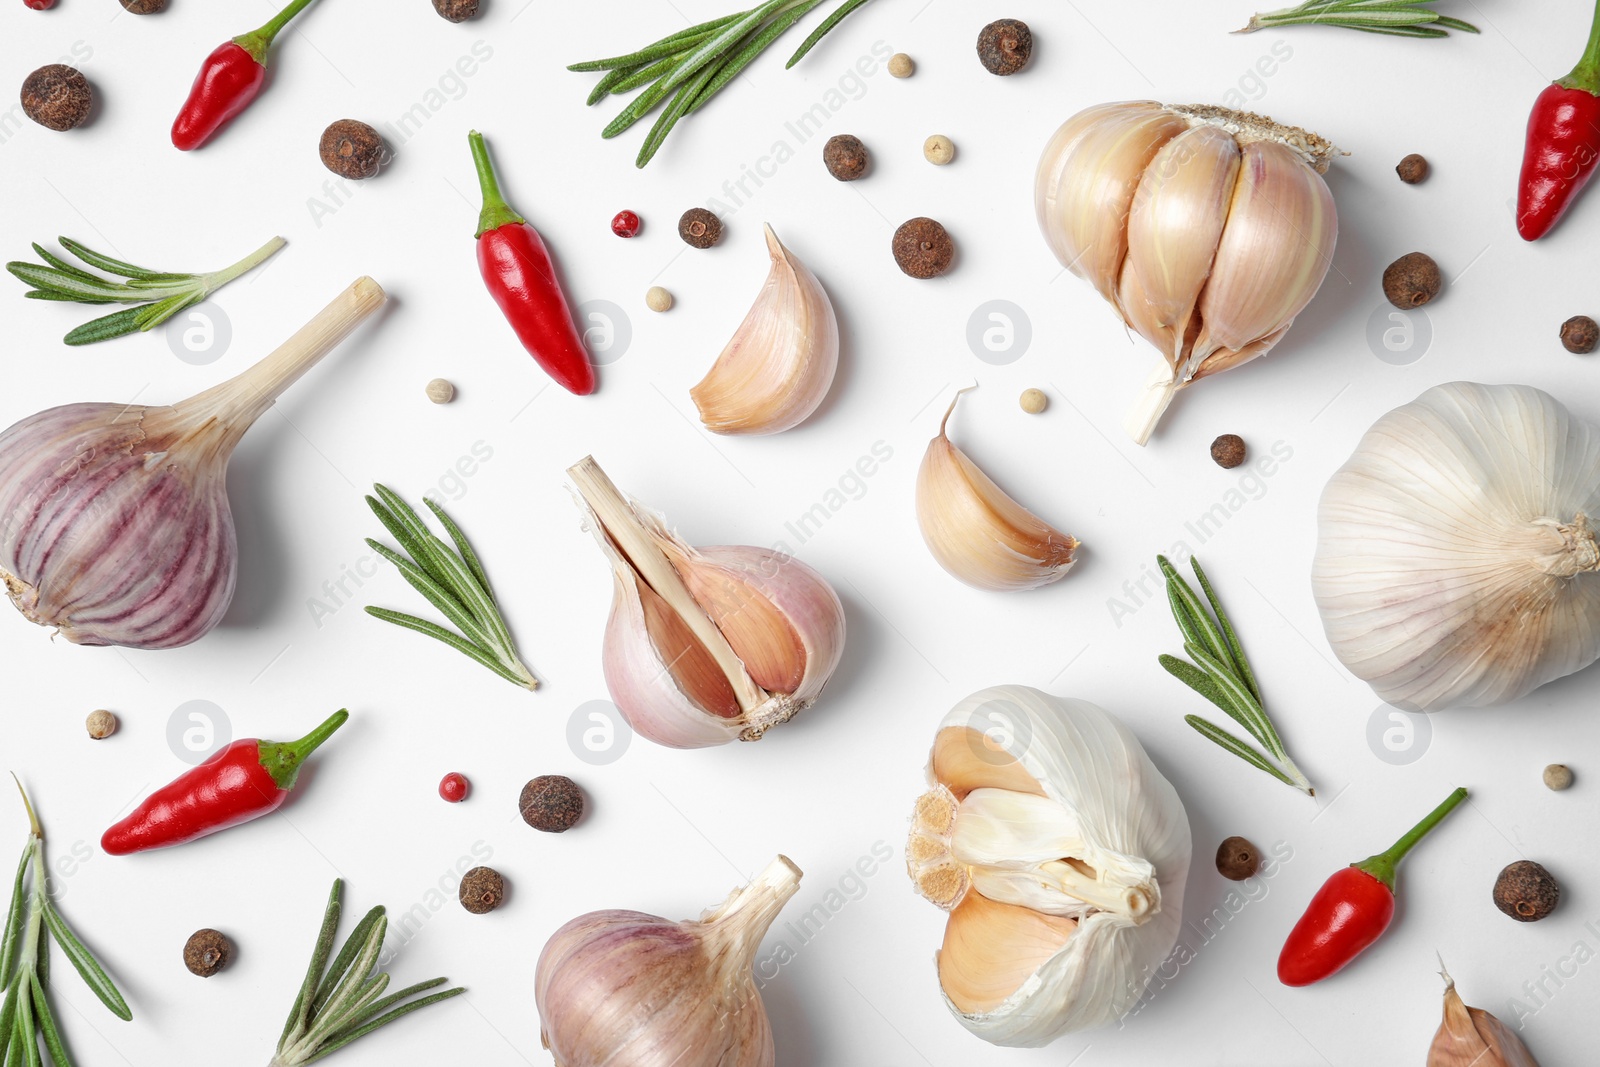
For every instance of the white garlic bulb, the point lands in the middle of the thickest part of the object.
(1207, 229)
(1456, 560)
(780, 362)
(706, 645)
(1060, 852)
(977, 532)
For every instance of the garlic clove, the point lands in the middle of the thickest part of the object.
(1096, 168)
(781, 361)
(115, 526)
(1173, 228)
(978, 533)
(965, 759)
(991, 950)
(1471, 1037)
(1272, 258)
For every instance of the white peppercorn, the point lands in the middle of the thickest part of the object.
(938, 150)
(657, 299)
(441, 391)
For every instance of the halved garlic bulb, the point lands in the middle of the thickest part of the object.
(706, 645)
(777, 368)
(978, 533)
(1060, 852)
(1456, 559)
(1207, 229)
(115, 526)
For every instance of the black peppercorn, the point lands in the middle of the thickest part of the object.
(1237, 859)
(699, 228)
(1580, 334)
(145, 7)
(923, 248)
(57, 96)
(1004, 46)
(482, 890)
(456, 10)
(1526, 892)
(1412, 169)
(845, 157)
(1228, 450)
(352, 149)
(1412, 280)
(207, 952)
(552, 803)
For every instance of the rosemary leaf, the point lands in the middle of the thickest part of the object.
(301, 1012)
(747, 55)
(1247, 712)
(1212, 637)
(1231, 744)
(822, 31)
(675, 111)
(116, 324)
(346, 956)
(439, 633)
(104, 262)
(1236, 654)
(8, 1015)
(1200, 682)
(340, 1040)
(8, 942)
(463, 546)
(84, 962)
(30, 1041)
(668, 45)
(436, 596)
(1397, 18)
(47, 1024)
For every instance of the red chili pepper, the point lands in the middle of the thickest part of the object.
(39, 5)
(231, 77)
(244, 781)
(517, 269)
(1563, 143)
(1351, 910)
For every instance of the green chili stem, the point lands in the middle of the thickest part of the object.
(1384, 864)
(1586, 75)
(496, 212)
(256, 42)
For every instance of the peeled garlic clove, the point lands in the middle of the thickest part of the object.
(777, 368)
(624, 987)
(978, 533)
(1471, 1037)
(115, 526)
(1456, 561)
(1059, 851)
(706, 645)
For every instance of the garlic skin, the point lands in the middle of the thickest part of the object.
(781, 361)
(624, 987)
(1471, 1037)
(1207, 229)
(115, 527)
(978, 533)
(1060, 852)
(1456, 563)
(705, 646)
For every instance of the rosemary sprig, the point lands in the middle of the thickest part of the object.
(159, 295)
(1397, 18)
(341, 1003)
(686, 69)
(1222, 674)
(26, 1017)
(453, 580)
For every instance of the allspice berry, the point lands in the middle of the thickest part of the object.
(901, 65)
(1580, 334)
(207, 952)
(1558, 776)
(100, 724)
(1237, 859)
(352, 149)
(1228, 450)
(1526, 892)
(57, 97)
(699, 228)
(482, 890)
(456, 10)
(1004, 46)
(144, 7)
(1412, 169)
(845, 157)
(923, 248)
(938, 150)
(1412, 280)
(552, 803)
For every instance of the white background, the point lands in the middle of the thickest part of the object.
(670, 832)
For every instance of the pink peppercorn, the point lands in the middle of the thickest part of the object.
(625, 224)
(453, 787)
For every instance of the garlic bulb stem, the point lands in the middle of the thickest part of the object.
(1155, 396)
(749, 912)
(620, 523)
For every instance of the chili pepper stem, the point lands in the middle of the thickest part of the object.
(1384, 864)
(496, 212)
(256, 42)
(282, 759)
(1586, 75)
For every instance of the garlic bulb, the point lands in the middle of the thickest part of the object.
(1207, 229)
(1060, 852)
(623, 987)
(1456, 562)
(1471, 1037)
(978, 533)
(114, 520)
(781, 360)
(706, 645)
